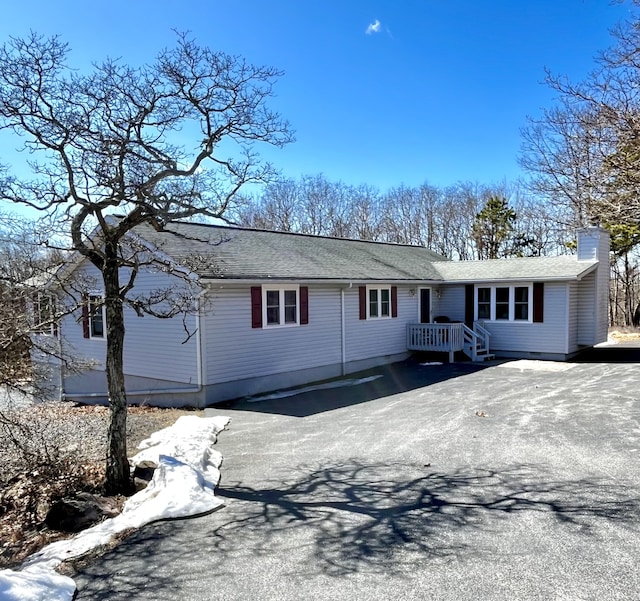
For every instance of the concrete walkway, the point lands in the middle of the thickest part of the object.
(514, 481)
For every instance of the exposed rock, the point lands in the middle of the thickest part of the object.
(144, 470)
(76, 513)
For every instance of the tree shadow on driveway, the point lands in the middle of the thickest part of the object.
(356, 517)
(382, 517)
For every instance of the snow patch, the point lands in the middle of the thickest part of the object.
(182, 486)
(535, 365)
(35, 585)
(328, 385)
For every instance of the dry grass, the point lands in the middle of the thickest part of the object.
(66, 456)
(624, 333)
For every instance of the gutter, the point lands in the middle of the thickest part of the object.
(221, 283)
(573, 278)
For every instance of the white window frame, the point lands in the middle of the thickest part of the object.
(94, 298)
(49, 328)
(512, 295)
(281, 289)
(379, 302)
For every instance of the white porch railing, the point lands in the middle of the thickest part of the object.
(441, 337)
(449, 338)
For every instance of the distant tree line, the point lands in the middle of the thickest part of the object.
(465, 221)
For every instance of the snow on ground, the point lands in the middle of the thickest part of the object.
(335, 384)
(182, 486)
(535, 365)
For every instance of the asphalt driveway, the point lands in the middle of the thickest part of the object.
(514, 481)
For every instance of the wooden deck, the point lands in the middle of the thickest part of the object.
(449, 338)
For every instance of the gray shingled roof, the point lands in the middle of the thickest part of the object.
(229, 253)
(238, 253)
(528, 268)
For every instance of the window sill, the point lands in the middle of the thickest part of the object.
(278, 326)
(523, 322)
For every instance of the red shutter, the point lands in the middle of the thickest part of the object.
(256, 307)
(469, 311)
(538, 302)
(394, 301)
(363, 302)
(304, 305)
(85, 317)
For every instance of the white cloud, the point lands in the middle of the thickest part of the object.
(374, 27)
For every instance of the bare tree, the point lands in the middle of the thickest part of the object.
(365, 214)
(584, 154)
(108, 142)
(409, 214)
(26, 311)
(563, 152)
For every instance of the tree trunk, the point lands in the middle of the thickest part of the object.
(118, 478)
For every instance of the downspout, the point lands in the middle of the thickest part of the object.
(61, 360)
(343, 341)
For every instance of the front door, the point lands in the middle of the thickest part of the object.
(425, 305)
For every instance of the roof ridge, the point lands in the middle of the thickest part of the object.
(300, 234)
(502, 259)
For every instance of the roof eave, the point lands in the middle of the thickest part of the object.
(571, 278)
(339, 281)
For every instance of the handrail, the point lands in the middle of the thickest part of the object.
(480, 329)
(483, 333)
(470, 335)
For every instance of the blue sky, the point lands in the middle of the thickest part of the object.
(378, 92)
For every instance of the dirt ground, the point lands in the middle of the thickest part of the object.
(66, 455)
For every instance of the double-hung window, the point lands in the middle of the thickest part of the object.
(521, 310)
(281, 306)
(379, 304)
(96, 316)
(484, 303)
(43, 314)
(503, 303)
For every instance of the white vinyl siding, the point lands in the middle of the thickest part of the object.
(71, 327)
(153, 347)
(572, 326)
(587, 310)
(550, 336)
(236, 351)
(378, 337)
(515, 336)
(450, 303)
